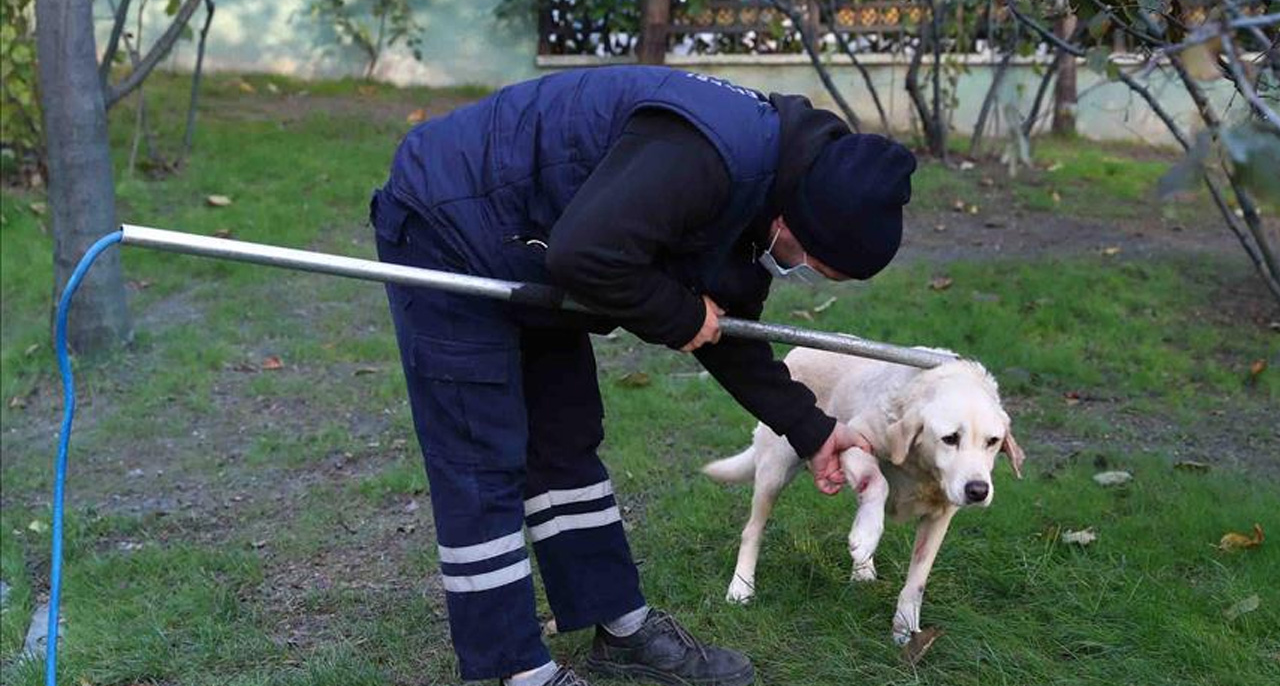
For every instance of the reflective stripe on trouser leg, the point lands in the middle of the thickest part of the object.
(462, 364)
(570, 508)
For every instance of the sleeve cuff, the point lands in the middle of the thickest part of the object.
(687, 323)
(808, 434)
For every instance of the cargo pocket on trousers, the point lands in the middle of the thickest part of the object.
(475, 410)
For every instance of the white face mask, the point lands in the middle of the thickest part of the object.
(801, 272)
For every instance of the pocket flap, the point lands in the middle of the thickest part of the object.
(461, 361)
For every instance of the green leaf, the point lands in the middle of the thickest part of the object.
(187, 33)
(173, 7)
(1099, 26)
(1096, 59)
(1186, 174)
(1254, 151)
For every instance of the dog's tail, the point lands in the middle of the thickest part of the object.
(736, 469)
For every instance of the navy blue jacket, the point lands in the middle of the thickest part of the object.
(518, 159)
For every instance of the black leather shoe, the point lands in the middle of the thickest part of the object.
(664, 652)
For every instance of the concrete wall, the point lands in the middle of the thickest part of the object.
(464, 44)
(1106, 110)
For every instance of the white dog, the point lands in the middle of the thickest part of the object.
(936, 433)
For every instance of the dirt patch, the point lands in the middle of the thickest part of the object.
(950, 236)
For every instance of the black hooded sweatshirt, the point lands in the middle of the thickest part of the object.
(659, 185)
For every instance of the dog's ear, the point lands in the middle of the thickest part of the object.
(1014, 451)
(902, 434)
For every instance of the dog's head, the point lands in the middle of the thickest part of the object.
(949, 423)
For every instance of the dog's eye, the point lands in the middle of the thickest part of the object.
(952, 438)
(991, 442)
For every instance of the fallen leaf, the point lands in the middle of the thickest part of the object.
(940, 283)
(1238, 541)
(973, 209)
(939, 227)
(246, 87)
(920, 643)
(38, 526)
(367, 89)
(1111, 251)
(273, 88)
(986, 182)
(222, 233)
(966, 165)
(958, 205)
(259, 544)
(1056, 197)
(802, 314)
(1191, 466)
(1112, 478)
(31, 349)
(412, 506)
(1243, 607)
(1072, 397)
(218, 200)
(407, 528)
(635, 380)
(417, 116)
(38, 208)
(825, 305)
(1053, 167)
(272, 362)
(1081, 538)
(365, 371)
(549, 627)
(1257, 368)
(17, 402)
(141, 284)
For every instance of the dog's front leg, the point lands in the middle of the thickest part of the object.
(862, 473)
(929, 534)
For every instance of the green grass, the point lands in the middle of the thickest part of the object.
(225, 591)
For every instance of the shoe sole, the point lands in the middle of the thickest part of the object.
(639, 672)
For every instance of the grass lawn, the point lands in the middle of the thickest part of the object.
(230, 523)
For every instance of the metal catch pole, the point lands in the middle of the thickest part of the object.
(511, 291)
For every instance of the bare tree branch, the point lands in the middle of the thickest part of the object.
(195, 82)
(113, 43)
(866, 76)
(805, 40)
(158, 52)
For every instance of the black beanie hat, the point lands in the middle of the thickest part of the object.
(847, 208)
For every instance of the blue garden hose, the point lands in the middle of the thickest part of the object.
(64, 440)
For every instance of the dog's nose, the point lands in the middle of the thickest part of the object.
(976, 491)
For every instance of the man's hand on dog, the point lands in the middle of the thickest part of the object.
(828, 476)
(710, 332)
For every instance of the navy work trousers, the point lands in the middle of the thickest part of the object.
(508, 414)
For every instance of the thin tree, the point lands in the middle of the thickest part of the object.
(81, 191)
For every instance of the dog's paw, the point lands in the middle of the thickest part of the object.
(863, 572)
(740, 592)
(906, 622)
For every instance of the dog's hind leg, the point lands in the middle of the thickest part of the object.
(772, 475)
(929, 534)
(862, 474)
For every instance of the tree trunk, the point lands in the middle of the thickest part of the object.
(653, 33)
(1064, 91)
(81, 191)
